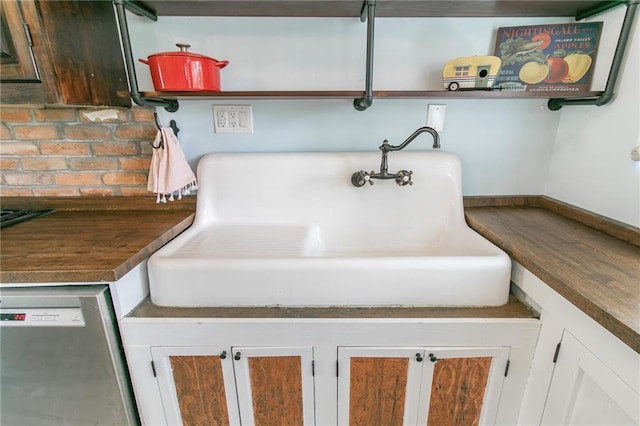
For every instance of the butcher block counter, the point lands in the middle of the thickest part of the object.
(591, 261)
(87, 239)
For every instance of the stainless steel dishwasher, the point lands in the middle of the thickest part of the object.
(60, 358)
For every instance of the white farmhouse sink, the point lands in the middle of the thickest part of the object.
(291, 229)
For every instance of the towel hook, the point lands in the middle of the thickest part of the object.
(173, 126)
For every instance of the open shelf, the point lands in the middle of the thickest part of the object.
(385, 8)
(379, 94)
(578, 9)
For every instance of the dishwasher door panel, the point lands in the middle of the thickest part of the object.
(62, 374)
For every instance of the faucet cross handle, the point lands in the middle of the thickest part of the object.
(403, 177)
(358, 179)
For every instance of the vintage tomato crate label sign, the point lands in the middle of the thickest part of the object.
(547, 58)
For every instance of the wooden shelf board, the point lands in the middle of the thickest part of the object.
(377, 94)
(476, 94)
(480, 8)
(273, 94)
(384, 8)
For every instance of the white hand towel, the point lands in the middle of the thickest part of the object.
(169, 173)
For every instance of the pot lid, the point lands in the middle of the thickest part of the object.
(183, 52)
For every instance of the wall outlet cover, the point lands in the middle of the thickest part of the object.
(232, 119)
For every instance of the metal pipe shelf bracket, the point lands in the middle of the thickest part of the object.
(169, 104)
(368, 14)
(607, 96)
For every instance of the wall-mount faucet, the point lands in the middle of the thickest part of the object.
(403, 177)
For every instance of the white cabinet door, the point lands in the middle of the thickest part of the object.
(197, 385)
(584, 391)
(420, 386)
(238, 385)
(275, 385)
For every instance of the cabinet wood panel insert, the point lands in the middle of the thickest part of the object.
(276, 389)
(457, 391)
(200, 390)
(377, 391)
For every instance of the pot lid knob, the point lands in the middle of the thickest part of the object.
(183, 46)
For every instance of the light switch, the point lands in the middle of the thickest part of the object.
(435, 116)
(232, 119)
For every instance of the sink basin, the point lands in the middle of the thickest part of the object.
(290, 229)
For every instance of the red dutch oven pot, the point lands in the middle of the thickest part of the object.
(184, 71)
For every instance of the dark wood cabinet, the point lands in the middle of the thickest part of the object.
(16, 57)
(61, 52)
(24, 77)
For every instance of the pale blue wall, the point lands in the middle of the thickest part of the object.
(591, 165)
(505, 146)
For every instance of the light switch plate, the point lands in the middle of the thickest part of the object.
(232, 119)
(435, 116)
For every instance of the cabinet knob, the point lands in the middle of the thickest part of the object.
(419, 357)
(237, 356)
(432, 358)
(223, 355)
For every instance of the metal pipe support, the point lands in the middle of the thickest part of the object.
(169, 104)
(365, 102)
(610, 88)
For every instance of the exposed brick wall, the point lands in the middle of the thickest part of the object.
(75, 151)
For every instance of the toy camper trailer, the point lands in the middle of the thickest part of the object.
(470, 72)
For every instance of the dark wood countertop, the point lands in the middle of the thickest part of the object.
(87, 239)
(513, 309)
(596, 271)
(592, 262)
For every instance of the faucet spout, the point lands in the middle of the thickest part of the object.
(402, 177)
(430, 130)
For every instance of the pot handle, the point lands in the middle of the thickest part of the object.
(144, 61)
(222, 64)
